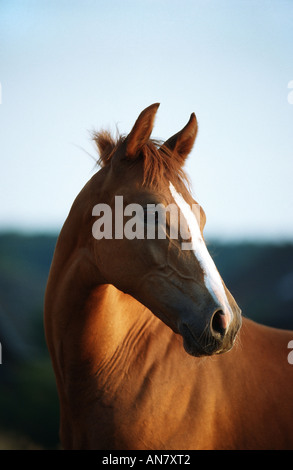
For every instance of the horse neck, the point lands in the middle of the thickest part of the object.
(118, 331)
(95, 326)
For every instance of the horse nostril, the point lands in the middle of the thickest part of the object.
(219, 323)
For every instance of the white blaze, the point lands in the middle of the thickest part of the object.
(212, 278)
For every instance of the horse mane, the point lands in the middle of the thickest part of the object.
(160, 164)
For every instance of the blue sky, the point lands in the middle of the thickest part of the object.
(68, 67)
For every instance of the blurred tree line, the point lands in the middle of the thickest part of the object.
(259, 276)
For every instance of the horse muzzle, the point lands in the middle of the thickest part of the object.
(216, 337)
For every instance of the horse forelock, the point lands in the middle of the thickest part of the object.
(160, 164)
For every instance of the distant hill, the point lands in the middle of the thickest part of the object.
(260, 277)
(24, 267)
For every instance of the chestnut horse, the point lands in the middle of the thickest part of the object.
(141, 332)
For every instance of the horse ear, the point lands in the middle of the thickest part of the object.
(183, 141)
(141, 131)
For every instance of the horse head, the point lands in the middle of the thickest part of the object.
(148, 239)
